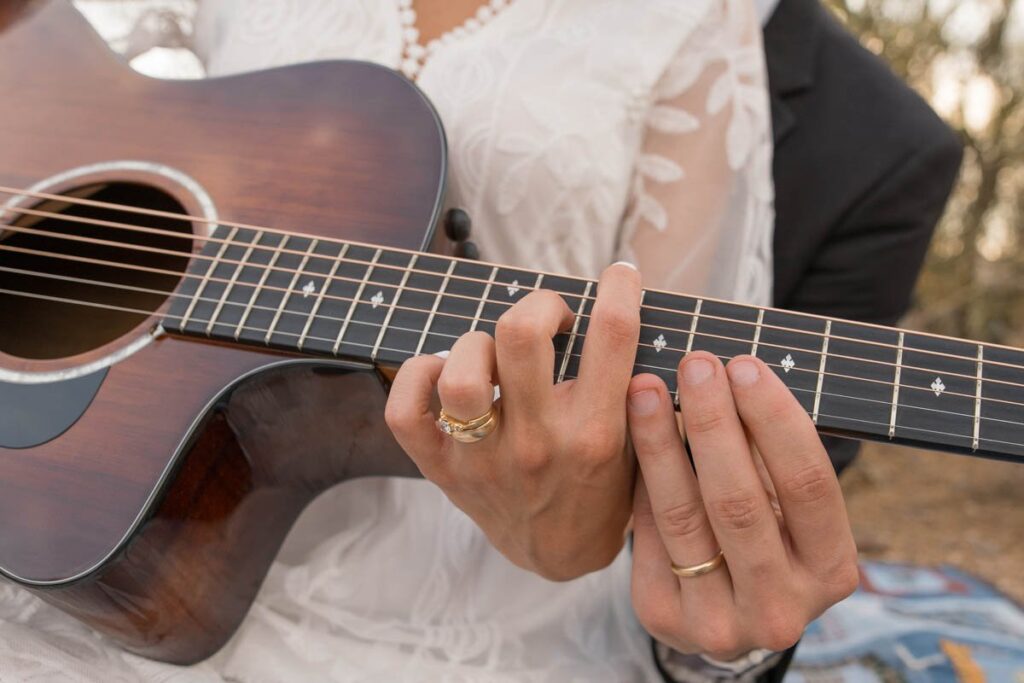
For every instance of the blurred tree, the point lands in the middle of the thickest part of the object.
(967, 58)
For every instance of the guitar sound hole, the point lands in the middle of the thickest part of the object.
(88, 303)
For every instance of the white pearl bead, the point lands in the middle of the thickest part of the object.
(410, 67)
(447, 38)
(411, 34)
(433, 46)
(404, 4)
(472, 25)
(498, 4)
(459, 32)
(416, 51)
(484, 14)
(408, 17)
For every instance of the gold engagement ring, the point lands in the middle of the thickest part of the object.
(469, 431)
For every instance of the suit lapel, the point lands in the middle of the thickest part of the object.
(791, 44)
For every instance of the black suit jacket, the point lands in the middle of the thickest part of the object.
(863, 169)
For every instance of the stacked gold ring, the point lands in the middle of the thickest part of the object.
(468, 431)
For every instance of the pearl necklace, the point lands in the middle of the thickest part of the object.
(415, 55)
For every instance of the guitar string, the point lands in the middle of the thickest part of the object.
(247, 226)
(288, 292)
(574, 355)
(244, 263)
(423, 333)
(397, 306)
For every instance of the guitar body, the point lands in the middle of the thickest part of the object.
(150, 499)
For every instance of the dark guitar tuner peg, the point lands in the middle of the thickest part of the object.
(467, 250)
(457, 225)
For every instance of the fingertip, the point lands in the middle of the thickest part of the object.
(646, 381)
(698, 367)
(744, 371)
(625, 272)
(645, 395)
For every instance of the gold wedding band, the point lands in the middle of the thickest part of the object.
(469, 431)
(699, 569)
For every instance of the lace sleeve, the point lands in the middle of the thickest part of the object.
(153, 35)
(701, 216)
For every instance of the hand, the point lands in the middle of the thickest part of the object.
(552, 487)
(773, 507)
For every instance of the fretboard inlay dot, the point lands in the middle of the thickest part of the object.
(788, 363)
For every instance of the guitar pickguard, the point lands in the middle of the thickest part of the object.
(34, 414)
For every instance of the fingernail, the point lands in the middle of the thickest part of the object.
(627, 264)
(743, 373)
(697, 371)
(644, 402)
(443, 354)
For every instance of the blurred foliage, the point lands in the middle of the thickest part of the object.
(967, 58)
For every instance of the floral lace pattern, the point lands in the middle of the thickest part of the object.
(581, 132)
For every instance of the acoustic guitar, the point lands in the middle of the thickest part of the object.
(205, 286)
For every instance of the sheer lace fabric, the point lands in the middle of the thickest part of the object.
(581, 132)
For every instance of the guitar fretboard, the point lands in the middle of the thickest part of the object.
(345, 300)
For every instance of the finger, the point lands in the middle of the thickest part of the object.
(656, 593)
(609, 347)
(526, 354)
(466, 385)
(734, 497)
(410, 414)
(805, 482)
(671, 483)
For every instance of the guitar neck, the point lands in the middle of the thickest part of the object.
(380, 305)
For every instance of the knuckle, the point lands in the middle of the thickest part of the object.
(685, 520)
(516, 332)
(399, 418)
(720, 638)
(842, 579)
(705, 420)
(779, 631)
(620, 323)
(657, 444)
(737, 511)
(656, 614)
(809, 484)
(462, 390)
(771, 411)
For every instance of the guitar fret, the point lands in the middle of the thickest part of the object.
(896, 387)
(484, 299)
(391, 310)
(206, 278)
(693, 330)
(320, 297)
(290, 291)
(821, 371)
(977, 400)
(355, 301)
(231, 283)
(259, 286)
(433, 310)
(575, 330)
(757, 332)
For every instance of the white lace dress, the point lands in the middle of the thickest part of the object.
(581, 132)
